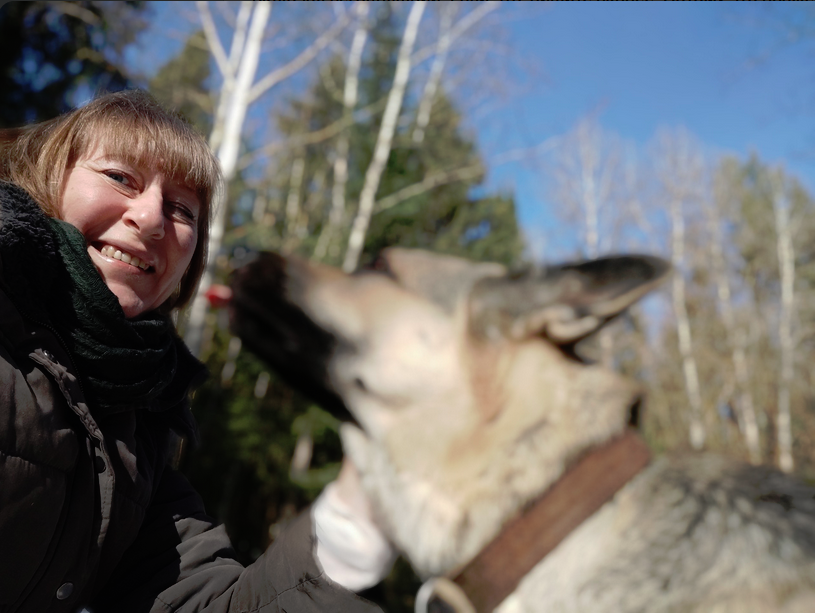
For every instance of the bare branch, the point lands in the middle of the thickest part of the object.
(213, 40)
(75, 10)
(458, 30)
(473, 17)
(309, 138)
(514, 155)
(308, 54)
(459, 174)
(428, 183)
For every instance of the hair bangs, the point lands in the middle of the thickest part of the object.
(164, 142)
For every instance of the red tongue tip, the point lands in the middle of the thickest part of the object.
(218, 295)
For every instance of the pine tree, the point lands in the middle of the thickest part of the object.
(444, 218)
(181, 84)
(52, 51)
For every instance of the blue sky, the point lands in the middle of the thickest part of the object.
(643, 66)
(647, 65)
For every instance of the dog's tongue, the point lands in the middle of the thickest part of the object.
(218, 295)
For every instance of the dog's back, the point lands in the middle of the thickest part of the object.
(691, 533)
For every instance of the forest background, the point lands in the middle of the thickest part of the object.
(345, 127)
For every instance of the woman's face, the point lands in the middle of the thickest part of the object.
(141, 227)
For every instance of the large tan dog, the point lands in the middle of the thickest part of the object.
(469, 403)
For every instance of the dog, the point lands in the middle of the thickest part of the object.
(467, 403)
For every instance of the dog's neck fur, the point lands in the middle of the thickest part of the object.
(441, 519)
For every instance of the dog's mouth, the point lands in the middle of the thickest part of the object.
(281, 334)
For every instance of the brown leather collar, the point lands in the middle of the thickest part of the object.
(525, 540)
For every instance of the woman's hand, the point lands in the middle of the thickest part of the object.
(351, 547)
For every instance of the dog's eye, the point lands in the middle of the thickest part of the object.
(360, 384)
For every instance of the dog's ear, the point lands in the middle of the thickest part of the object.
(564, 303)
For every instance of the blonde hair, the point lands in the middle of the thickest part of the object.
(131, 126)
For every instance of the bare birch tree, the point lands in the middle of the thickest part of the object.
(736, 336)
(240, 90)
(384, 138)
(350, 95)
(437, 68)
(786, 265)
(679, 168)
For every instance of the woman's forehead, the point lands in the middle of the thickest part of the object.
(143, 158)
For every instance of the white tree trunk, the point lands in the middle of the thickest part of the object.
(748, 423)
(293, 200)
(233, 125)
(384, 139)
(227, 153)
(786, 264)
(238, 71)
(350, 94)
(436, 70)
(228, 66)
(697, 428)
(447, 35)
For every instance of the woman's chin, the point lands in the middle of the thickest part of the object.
(131, 304)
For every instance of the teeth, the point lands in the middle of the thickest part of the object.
(116, 254)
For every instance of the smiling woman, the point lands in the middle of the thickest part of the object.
(140, 226)
(104, 217)
(129, 131)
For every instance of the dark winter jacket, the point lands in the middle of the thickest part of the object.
(92, 516)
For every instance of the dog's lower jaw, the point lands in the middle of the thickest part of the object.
(441, 521)
(425, 524)
(440, 529)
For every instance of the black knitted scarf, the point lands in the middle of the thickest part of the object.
(123, 363)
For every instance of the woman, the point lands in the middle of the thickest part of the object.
(104, 216)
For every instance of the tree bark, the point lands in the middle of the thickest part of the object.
(350, 94)
(238, 93)
(227, 153)
(384, 139)
(697, 429)
(748, 423)
(786, 265)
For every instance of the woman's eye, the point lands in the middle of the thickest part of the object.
(119, 177)
(180, 211)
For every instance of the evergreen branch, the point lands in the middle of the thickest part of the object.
(311, 138)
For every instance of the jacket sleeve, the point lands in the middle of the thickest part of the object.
(183, 562)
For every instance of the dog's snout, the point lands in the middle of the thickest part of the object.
(218, 295)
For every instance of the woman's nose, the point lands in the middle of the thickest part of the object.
(146, 213)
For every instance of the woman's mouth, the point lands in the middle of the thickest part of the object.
(118, 254)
